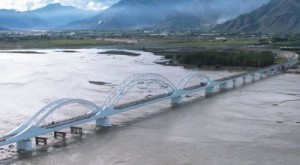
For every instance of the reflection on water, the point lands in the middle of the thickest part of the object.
(223, 129)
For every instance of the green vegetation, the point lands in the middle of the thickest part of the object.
(68, 51)
(226, 58)
(54, 43)
(23, 52)
(120, 53)
(279, 60)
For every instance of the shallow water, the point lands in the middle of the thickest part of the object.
(254, 124)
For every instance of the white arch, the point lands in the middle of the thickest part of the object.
(132, 81)
(52, 107)
(184, 80)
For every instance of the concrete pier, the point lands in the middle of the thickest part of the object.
(234, 83)
(253, 77)
(102, 122)
(24, 145)
(209, 90)
(261, 75)
(244, 79)
(224, 85)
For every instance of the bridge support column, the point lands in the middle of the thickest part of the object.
(253, 77)
(224, 85)
(234, 83)
(24, 145)
(176, 100)
(102, 122)
(210, 90)
(276, 70)
(244, 79)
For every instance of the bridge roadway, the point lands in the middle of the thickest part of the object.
(23, 134)
(133, 103)
(66, 121)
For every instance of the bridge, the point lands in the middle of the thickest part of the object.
(134, 92)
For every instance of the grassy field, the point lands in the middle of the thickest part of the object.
(57, 43)
(142, 42)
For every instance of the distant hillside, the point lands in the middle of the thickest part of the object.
(58, 15)
(276, 16)
(1, 28)
(12, 19)
(166, 14)
(128, 14)
(48, 17)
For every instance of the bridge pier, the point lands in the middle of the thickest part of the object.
(24, 145)
(253, 77)
(224, 85)
(277, 70)
(176, 100)
(244, 79)
(102, 122)
(234, 81)
(210, 90)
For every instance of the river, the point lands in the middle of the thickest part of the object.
(254, 124)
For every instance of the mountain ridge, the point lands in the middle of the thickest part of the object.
(58, 15)
(51, 16)
(167, 14)
(276, 16)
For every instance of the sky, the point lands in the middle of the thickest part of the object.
(24, 5)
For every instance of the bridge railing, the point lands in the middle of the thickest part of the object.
(126, 105)
(69, 120)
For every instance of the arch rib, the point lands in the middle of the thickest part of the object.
(184, 80)
(52, 107)
(132, 81)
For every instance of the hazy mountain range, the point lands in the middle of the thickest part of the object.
(219, 15)
(50, 16)
(179, 14)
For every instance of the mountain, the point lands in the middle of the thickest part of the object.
(129, 14)
(276, 16)
(48, 17)
(167, 14)
(12, 19)
(1, 29)
(58, 15)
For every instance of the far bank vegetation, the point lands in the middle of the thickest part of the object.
(225, 58)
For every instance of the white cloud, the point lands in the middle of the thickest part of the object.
(23, 5)
(96, 5)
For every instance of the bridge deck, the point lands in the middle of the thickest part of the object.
(127, 105)
(195, 86)
(243, 74)
(62, 122)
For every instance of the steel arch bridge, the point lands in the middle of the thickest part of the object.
(188, 84)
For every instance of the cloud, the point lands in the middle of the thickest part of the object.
(23, 5)
(96, 5)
